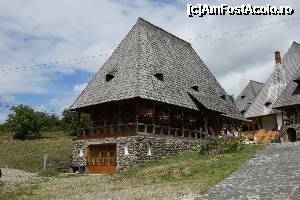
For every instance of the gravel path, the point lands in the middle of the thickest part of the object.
(16, 175)
(274, 174)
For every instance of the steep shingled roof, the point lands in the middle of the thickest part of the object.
(246, 97)
(291, 94)
(144, 52)
(275, 85)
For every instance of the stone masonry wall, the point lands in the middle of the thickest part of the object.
(284, 133)
(137, 148)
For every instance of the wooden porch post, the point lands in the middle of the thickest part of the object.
(137, 115)
(205, 124)
(169, 114)
(183, 118)
(78, 123)
(153, 117)
(281, 118)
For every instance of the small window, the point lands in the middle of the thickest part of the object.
(159, 76)
(126, 149)
(223, 96)
(297, 90)
(267, 104)
(149, 153)
(80, 153)
(196, 88)
(243, 112)
(243, 96)
(109, 77)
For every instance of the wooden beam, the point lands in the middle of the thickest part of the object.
(137, 115)
(78, 123)
(205, 124)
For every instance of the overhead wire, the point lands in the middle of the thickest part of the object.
(242, 29)
(68, 63)
(54, 64)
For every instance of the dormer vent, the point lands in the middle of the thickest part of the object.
(195, 88)
(109, 77)
(159, 76)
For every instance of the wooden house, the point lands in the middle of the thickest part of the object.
(153, 97)
(261, 108)
(289, 100)
(245, 99)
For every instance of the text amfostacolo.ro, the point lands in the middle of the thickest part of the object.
(244, 9)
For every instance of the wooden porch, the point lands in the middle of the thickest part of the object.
(130, 129)
(145, 117)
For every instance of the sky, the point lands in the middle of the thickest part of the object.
(50, 50)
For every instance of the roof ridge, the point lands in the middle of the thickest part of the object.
(294, 42)
(157, 27)
(255, 81)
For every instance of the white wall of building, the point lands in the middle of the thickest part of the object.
(268, 122)
(279, 120)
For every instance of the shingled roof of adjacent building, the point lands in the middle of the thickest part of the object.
(291, 94)
(264, 103)
(153, 64)
(246, 97)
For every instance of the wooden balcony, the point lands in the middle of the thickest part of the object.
(130, 129)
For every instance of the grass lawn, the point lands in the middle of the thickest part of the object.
(187, 173)
(28, 155)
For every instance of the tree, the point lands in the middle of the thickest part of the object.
(70, 120)
(24, 122)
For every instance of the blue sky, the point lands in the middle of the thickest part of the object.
(43, 32)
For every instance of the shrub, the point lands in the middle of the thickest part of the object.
(221, 145)
(69, 122)
(24, 122)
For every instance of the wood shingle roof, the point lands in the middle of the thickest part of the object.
(266, 99)
(291, 94)
(148, 50)
(246, 97)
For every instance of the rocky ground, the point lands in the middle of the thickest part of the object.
(16, 176)
(274, 174)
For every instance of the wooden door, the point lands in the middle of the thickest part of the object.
(102, 159)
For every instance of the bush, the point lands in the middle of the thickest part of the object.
(221, 145)
(24, 122)
(69, 122)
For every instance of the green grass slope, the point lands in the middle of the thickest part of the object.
(28, 155)
(171, 177)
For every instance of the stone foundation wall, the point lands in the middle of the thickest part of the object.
(137, 148)
(284, 137)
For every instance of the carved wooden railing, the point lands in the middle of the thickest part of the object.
(119, 130)
(122, 130)
(146, 129)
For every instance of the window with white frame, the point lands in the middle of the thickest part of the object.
(126, 149)
(80, 153)
(149, 153)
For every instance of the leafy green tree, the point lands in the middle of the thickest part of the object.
(24, 122)
(52, 123)
(3, 127)
(70, 121)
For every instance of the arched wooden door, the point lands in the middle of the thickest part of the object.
(102, 158)
(292, 136)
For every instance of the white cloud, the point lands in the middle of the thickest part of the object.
(44, 31)
(8, 98)
(41, 108)
(79, 87)
(3, 115)
(67, 98)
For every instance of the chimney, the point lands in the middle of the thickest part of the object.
(277, 57)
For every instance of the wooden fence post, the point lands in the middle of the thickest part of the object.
(45, 162)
